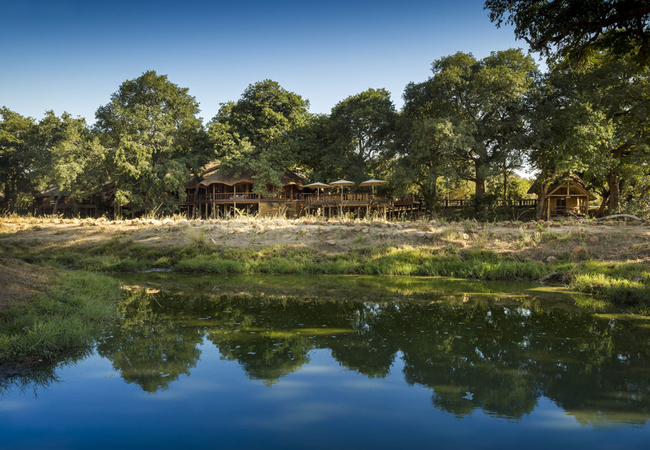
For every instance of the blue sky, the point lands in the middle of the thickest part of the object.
(72, 55)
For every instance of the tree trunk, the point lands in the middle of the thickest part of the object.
(56, 203)
(196, 193)
(11, 196)
(505, 184)
(603, 206)
(479, 180)
(430, 194)
(541, 200)
(614, 192)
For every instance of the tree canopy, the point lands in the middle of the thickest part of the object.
(151, 132)
(252, 133)
(572, 29)
(482, 100)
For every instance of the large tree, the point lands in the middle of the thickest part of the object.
(253, 132)
(594, 122)
(153, 138)
(77, 160)
(361, 129)
(483, 100)
(572, 29)
(21, 159)
(424, 150)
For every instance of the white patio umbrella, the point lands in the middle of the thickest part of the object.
(319, 186)
(372, 183)
(342, 183)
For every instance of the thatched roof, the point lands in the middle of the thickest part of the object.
(535, 188)
(212, 173)
(51, 191)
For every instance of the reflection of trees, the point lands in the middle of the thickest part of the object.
(150, 348)
(472, 351)
(501, 359)
(259, 336)
(371, 346)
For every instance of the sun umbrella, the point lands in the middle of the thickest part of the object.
(342, 183)
(373, 183)
(318, 186)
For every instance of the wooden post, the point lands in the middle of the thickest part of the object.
(548, 208)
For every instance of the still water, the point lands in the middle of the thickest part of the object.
(342, 362)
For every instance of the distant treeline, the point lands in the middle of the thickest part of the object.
(465, 130)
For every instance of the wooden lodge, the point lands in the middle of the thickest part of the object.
(52, 201)
(218, 193)
(567, 197)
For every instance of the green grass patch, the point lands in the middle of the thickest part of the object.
(65, 318)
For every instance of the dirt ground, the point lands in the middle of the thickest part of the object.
(615, 241)
(18, 281)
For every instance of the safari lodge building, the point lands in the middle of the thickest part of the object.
(219, 193)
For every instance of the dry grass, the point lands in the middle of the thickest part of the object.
(19, 281)
(615, 242)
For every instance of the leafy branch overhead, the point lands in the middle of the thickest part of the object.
(573, 29)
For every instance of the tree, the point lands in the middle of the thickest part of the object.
(617, 89)
(593, 122)
(423, 148)
(252, 133)
(484, 101)
(573, 29)
(20, 157)
(153, 138)
(361, 128)
(75, 158)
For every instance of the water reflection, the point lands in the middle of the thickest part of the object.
(475, 346)
(498, 354)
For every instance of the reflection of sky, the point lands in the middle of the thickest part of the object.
(322, 405)
(71, 55)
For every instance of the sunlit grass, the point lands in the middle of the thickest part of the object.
(64, 318)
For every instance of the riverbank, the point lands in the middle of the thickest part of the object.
(47, 312)
(611, 260)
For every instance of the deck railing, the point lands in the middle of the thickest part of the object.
(237, 197)
(569, 210)
(335, 199)
(462, 203)
(62, 204)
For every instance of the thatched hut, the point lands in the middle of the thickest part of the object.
(567, 196)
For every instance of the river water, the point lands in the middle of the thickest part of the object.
(342, 362)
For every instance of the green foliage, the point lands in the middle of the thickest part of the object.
(361, 129)
(252, 133)
(593, 122)
(572, 30)
(21, 159)
(153, 137)
(483, 103)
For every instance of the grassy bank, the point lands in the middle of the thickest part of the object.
(620, 282)
(611, 260)
(63, 318)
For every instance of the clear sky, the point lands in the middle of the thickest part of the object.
(69, 55)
